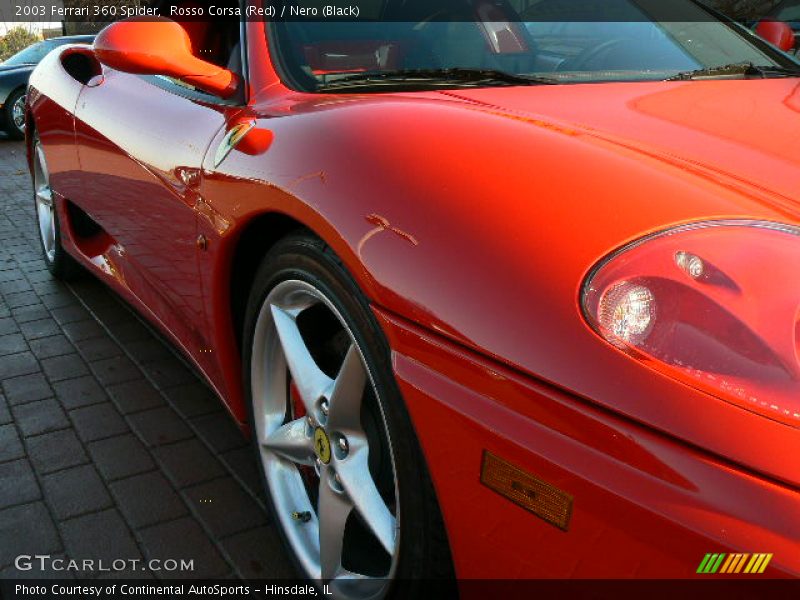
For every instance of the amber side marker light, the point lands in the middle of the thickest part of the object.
(531, 493)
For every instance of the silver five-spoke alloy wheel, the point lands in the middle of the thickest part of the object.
(18, 114)
(45, 208)
(325, 437)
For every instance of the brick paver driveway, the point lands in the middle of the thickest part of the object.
(110, 448)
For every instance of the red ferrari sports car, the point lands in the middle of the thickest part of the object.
(497, 295)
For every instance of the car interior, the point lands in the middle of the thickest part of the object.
(520, 36)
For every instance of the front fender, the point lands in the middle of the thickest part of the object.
(481, 225)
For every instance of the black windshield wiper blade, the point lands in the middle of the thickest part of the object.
(733, 69)
(434, 76)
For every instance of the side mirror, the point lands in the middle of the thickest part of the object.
(159, 46)
(776, 33)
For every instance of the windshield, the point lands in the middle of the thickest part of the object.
(32, 54)
(564, 40)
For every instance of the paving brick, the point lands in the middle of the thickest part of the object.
(34, 418)
(102, 535)
(19, 299)
(27, 388)
(56, 345)
(145, 351)
(194, 399)
(68, 366)
(18, 364)
(17, 484)
(259, 554)
(8, 325)
(26, 529)
(187, 463)
(83, 330)
(27, 314)
(97, 422)
(242, 461)
(110, 312)
(17, 285)
(82, 391)
(169, 372)
(75, 491)
(135, 396)
(58, 300)
(115, 370)
(39, 329)
(225, 507)
(5, 414)
(130, 331)
(27, 257)
(220, 431)
(159, 426)
(120, 456)
(160, 502)
(10, 274)
(10, 444)
(55, 451)
(92, 294)
(70, 314)
(12, 344)
(98, 348)
(49, 286)
(35, 276)
(184, 539)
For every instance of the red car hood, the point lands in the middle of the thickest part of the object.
(747, 131)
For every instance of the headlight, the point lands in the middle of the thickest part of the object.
(715, 305)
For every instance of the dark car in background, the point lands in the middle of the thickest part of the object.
(14, 74)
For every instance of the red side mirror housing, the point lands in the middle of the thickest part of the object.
(776, 33)
(159, 46)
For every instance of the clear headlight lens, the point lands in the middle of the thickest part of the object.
(715, 305)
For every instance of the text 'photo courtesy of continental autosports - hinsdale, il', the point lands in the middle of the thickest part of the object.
(491, 291)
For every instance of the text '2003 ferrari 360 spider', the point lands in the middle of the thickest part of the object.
(500, 289)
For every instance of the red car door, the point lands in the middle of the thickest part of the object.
(141, 142)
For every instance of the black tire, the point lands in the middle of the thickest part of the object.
(10, 128)
(424, 566)
(62, 266)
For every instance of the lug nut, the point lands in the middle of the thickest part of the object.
(344, 447)
(323, 406)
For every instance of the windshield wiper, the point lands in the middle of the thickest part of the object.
(734, 69)
(459, 76)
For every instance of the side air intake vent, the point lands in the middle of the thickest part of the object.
(81, 64)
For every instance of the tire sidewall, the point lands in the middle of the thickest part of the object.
(10, 128)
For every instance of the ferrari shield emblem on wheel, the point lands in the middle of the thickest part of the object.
(322, 445)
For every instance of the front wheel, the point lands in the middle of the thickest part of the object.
(343, 470)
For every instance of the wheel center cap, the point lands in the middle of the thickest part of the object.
(322, 445)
